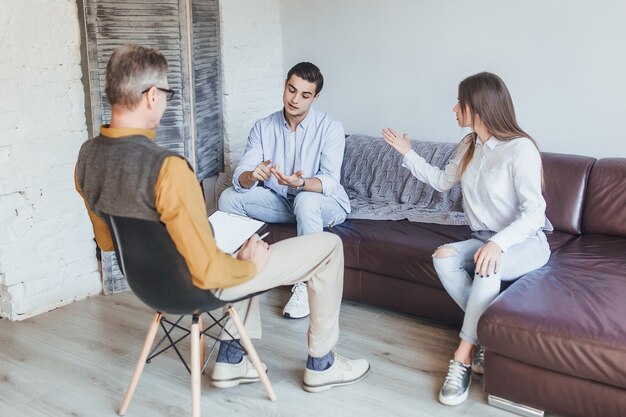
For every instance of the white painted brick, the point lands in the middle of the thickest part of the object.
(253, 69)
(47, 254)
(30, 268)
(46, 241)
(5, 299)
(8, 119)
(43, 253)
(9, 87)
(15, 292)
(64, 293)
(5, 155)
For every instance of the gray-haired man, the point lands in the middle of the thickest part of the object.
(123, 172)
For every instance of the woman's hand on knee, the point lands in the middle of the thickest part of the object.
(487, 259)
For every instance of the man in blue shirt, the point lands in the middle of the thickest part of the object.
(296, 153)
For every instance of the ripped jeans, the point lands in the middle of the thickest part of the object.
(310, 211)
(474, 293)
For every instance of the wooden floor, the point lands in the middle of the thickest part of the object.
(77, 361)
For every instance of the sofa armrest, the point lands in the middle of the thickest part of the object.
(210, 197)
(213, 188)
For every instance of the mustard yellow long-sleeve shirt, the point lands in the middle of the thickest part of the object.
(180, 204)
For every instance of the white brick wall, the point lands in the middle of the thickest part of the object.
(47, 255)
(252, 60)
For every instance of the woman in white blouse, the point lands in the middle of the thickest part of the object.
(499, 167)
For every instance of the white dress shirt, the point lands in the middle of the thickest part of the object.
(501, 187)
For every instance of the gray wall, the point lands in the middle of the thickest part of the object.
(398, 63)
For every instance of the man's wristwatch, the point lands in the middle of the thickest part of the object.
(300, 187)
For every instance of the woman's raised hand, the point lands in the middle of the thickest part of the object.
(401, 144)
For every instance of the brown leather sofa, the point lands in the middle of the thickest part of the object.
(556, 338)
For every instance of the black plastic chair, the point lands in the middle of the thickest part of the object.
(158, 275)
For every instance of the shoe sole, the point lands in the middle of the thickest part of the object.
(326, 387)
(454, 401)
(290, 317)
(229, 383)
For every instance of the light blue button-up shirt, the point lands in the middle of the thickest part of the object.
(320, 143)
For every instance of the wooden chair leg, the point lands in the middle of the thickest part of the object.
(254, 358)
(141, 362)
(195, 368)
(201, 327)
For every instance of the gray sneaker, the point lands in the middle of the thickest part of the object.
(478, 363)
(455, 388)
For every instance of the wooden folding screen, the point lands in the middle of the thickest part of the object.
(187, 33)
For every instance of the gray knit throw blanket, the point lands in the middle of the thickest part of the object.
(380, 188)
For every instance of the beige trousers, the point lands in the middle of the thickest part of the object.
(317, 259)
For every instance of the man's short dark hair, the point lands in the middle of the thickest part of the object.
(308, 72)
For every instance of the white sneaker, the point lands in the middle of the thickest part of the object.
(342, 372)
(298, 305)
(226, 375)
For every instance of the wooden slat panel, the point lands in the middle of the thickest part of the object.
(111, 23)
(208, 92)
(162, 24)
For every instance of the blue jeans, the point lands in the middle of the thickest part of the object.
(310, 211)
(474, 293)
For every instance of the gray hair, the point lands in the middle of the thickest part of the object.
(131, 70)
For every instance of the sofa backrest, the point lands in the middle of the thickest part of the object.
(566, 178)
(605, 203)
(372, 171)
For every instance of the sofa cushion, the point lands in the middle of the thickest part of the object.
(400, 249)
(565, 183)
(557, 240)
(605, 206)
(567, 316)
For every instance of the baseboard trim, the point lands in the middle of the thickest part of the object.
(521, 409)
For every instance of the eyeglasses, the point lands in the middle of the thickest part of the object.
(170, 93)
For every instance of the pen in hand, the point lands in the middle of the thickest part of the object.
(263, 236)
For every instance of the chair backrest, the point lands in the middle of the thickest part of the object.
(155, 270)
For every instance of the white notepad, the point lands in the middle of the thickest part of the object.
(231, 230)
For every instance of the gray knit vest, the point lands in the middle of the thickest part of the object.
(118, 176)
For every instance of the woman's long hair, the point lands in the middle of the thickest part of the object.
(486, 95)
